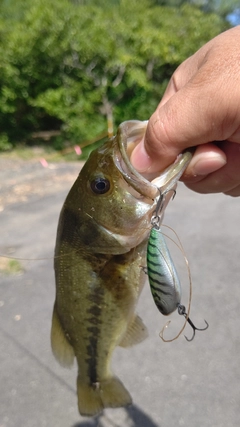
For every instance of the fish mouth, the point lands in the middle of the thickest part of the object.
(128, 136)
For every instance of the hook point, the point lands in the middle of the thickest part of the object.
(182, 311)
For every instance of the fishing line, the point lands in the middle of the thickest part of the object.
(180, 247)
(45, 258)
(37, 259)
(51, 257)
(61, 255)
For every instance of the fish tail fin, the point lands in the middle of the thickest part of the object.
(89, 399)
(93, 398)
(114, 394)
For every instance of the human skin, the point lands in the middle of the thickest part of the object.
(200, 108)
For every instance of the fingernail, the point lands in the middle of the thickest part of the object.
(140, 159)
(208, 165)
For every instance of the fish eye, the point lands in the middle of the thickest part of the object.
(100, 185)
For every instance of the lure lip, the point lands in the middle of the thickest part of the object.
(129, 134)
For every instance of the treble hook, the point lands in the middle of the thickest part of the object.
(182, 311)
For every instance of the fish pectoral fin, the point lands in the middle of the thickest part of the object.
(93, 398)
(61, 348)
(136, 332)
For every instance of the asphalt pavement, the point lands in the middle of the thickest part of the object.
(193, 384)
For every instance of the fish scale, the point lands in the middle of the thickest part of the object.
(101, 246)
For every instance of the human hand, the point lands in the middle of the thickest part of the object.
(201, 107)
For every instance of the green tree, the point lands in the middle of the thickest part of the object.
(69, 65)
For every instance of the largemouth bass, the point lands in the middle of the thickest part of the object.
(100, 250)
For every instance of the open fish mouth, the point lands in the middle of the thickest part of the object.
(129, 134)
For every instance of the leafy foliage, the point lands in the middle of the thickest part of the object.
(69, 65)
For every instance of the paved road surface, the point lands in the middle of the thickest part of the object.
(174, 384)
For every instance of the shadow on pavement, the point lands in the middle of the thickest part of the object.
(135, 417)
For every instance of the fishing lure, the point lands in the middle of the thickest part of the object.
(163, 278)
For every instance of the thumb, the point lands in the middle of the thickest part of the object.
(187, 119)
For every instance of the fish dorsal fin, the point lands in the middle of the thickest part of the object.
(136, 332)
(61, 348)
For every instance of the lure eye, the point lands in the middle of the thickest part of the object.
(100, 185)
